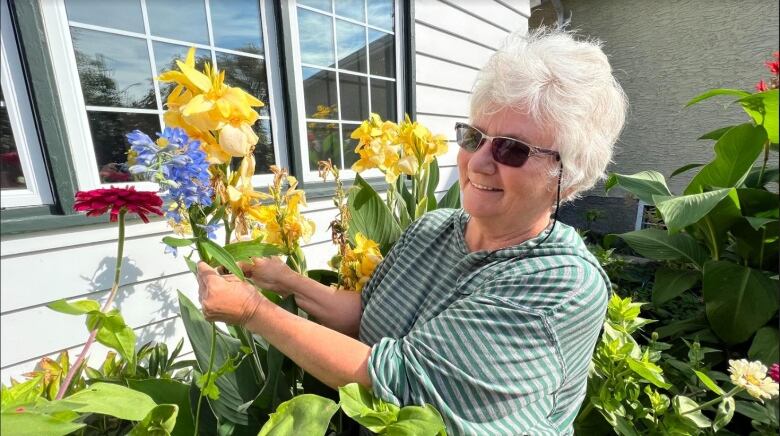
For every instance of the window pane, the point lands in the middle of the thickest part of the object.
(381, 48)
(351, 46)
(114, 70)
(11, 175)
(184, 20)
(246, 73)
(323, 143)
(381, 13)
(236, 25)
(354, 9)
(349, 144)
(117, 14)
(316, 38)
(354, 97)
(383, 98)
(319, 4)
(165, 57)
(319, 92)
(108, 136)
(264, 150)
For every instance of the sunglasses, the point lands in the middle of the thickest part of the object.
(506, 151)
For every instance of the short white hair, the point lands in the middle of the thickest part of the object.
(562, 82)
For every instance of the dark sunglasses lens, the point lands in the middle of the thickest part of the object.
(468, 137)
(510, 152)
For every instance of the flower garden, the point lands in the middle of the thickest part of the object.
(690, 339)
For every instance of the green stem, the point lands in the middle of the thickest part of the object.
(763, 167)
(711, 238)
(728, 394)
(208, 375)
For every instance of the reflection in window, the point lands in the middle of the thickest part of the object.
(324, 144)
(165, 57)
(354, 9)
(184, 20)
(316, 36)
(354, 97)
(349, 144)
(351, 46)
(381, 13)
(11, 175)
(116, 14)
(381, 48)
(323, 5)
(236, 25)
(108, 137)
(319, 91)
(383, 98)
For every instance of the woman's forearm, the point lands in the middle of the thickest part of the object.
(336, 309)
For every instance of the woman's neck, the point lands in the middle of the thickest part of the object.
(488, 235)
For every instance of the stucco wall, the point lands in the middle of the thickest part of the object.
(666, 52)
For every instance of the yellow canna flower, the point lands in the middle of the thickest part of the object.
(237, 141)
(358, 263)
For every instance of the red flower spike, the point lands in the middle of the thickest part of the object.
(761, 86)
(99, 201)
(774, 372)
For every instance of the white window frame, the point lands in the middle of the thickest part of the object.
(57, 29)
(37, 192)
(300, 105)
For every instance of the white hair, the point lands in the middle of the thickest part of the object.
(563, 83)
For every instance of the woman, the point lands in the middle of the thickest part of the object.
(489, 313)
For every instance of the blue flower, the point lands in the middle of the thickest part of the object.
(210, 229)
(169, 249)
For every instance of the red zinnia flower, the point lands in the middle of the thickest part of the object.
(774, 372)
(98, 201)
(761, 86)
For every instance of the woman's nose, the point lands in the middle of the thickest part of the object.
(482, 159)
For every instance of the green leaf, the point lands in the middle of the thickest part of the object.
(763, 108)
(680, 212)
(80, 307)
(753, 411)
(305, 414)
(244, 250)
(34, 424)
(659, 245)
(648, 371)
(452, 198)
(417, 420)
(684, 404)
(433, 182)
(756, 223)
(685, 168)
(114, 333)
(624, 427)
(711, 385)
(738, 300)
(715, 134)
(167, 391)
(670, 283)
(160, 421)
(221, 256)
(325, 276)
(371, 216)
(765, 346)
(113, 400)
(643, 184)
(714, 92)
(236, 388)
(755, 179)
(725, 413)
(370, 412)
(22, 393)
(178, 242)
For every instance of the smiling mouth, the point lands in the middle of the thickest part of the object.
(484, 188)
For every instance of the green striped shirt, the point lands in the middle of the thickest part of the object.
(498, 341)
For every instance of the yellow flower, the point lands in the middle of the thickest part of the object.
(359, 263)
(753, 377)
(237, 141)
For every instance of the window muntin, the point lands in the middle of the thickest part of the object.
(346, 66)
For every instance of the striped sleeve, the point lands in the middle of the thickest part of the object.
(478, 362)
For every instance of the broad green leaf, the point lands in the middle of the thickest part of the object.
(683, 405)
(305, 414)
(715, 134)
(643, 184)
(759, 203)
(682, 211)
(753, 410)
(758, 179)
(660, 245)
(370, 412)
(417, 420)
(433, 182)
(178, 242)
(624, 427)
(244, 250)
(452, 198)
(756, 223)
(371, 216)
(236, 388)
(113, 400)
(735, 153)
(403, 189)
(765, 346)
(738, 300)
(685, 168)
(648, 371)
(711, 385)
(167, 391)
(421, 208)
(160, 421)
(221, 256)
(720, 91)
(80, 307)
(670, 283)
(35, 424)
(763, 108)
(114, 333)
(22, 393)
(725, 413)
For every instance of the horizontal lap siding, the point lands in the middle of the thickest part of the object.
(453, 40)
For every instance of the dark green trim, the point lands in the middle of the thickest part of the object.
(22, 220)
(410, 94)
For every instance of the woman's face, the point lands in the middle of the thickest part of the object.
(502, 194)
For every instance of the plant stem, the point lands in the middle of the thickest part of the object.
(114, 288)
(728, 394)
(208, 375)
(763, 167)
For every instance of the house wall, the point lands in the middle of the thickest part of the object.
(38, 268)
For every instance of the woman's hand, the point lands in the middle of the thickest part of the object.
(226, 298)
(269, 273)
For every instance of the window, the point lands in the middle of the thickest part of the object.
(23, 178)
(346, 66)
(107, 56)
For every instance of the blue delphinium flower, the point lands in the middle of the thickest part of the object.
(169, 249)
(210, 229)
